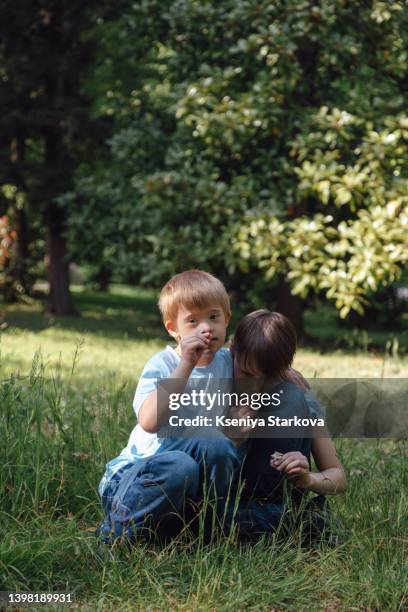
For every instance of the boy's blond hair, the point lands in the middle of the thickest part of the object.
(194, 289)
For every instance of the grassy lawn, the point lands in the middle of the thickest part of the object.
(66, 393)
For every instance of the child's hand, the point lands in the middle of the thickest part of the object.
(238, 435)
(295, 466)
(192, 347)
(242, 412)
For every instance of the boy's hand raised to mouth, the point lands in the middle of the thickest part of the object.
(192, 347)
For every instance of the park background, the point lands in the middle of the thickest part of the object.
(264, 141)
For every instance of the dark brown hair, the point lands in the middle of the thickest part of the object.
(266, 340)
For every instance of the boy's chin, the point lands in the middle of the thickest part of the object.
(213, 348)
(209, 351)
(208, 354)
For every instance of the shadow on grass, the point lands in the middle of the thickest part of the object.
(323, 332)
(132, 313)
(129, 314)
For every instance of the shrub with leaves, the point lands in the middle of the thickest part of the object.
(254, 136)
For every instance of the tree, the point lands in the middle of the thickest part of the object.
(258, 137)
(46, 49)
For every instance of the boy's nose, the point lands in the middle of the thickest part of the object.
(204, 328)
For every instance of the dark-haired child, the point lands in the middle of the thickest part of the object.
(263, 349)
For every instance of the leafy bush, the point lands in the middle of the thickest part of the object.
(260, 138)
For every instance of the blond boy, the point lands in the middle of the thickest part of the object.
(153, 477)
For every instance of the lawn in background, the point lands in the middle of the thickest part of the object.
(66, 393)
(118, 331)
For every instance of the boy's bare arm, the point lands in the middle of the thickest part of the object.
(154, 411)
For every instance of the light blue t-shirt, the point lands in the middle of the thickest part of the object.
(142, 444)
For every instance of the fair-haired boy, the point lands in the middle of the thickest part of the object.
(153, 477)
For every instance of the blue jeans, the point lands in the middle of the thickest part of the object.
(150, 496)
(253, 517)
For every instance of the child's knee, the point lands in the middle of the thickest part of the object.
(218, 450)
(181, 472)
(186, 473)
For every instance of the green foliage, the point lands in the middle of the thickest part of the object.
(253, 136)
(45, 120)
(46, 129)
(346, 261)
(363, 244)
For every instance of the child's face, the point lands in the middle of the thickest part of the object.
(250, 371)
(210, 321)
(248, 378)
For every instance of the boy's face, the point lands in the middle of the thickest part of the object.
(210, 321)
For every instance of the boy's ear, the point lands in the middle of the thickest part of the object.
(171, 329)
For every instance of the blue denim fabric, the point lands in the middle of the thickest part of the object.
(151, 495)
(253, 517)
(261, 508)
(262, 481)
(139, 496)
(257, 517)
(216, 457)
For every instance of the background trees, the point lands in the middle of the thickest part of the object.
(46, 128)
(264, 140)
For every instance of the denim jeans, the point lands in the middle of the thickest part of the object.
(151, 495)
(253, 517)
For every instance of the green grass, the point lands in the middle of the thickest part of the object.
(66, 409)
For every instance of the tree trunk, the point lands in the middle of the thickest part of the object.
(57, 181)
(20, 268)
(290, 305)
(59, 299)
(102, 277)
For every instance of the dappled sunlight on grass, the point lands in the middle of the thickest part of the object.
(132, 315)
(117, 332)
(342, 364)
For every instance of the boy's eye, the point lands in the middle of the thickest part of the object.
(214, 316)
(191, 320)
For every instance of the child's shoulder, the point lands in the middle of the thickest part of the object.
(223, 363)
(316, 409)
(164, 360)
(224, 354)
